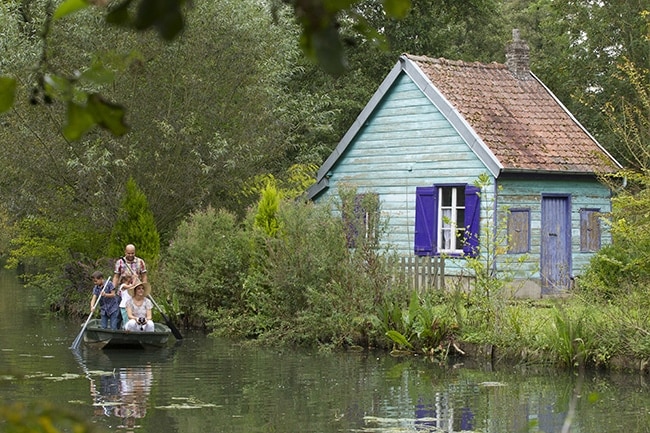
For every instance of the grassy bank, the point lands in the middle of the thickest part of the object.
(563, 332)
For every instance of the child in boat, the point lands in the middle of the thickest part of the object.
(109, 301)
(125, 285)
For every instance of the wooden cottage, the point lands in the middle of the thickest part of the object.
(435, 126)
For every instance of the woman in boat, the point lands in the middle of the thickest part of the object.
(139, 307)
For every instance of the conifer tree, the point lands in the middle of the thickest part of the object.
(135, 225)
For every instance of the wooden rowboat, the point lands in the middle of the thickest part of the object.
(96, 336)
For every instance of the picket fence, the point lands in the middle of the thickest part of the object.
(422, 272)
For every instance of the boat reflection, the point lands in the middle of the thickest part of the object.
(120, 382)
(123, 393)
(135, 386)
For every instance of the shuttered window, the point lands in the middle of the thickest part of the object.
(518, 231)
(447, 220)
(361, 220)
(589, 230)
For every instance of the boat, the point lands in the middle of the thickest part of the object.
(96, 336)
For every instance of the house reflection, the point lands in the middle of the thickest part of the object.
(488, 407)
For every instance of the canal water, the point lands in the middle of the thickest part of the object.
(203, 384)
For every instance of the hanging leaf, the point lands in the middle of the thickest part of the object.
(70, 6)
(165, 15)
(7, 93)
(119, 14)
(397, 8)
(79, 122)
(107, 115)
(328, 50)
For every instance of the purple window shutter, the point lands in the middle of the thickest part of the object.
(426, 199)
(472, 220)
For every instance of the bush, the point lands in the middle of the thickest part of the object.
(608, 274)
(206, 264)
(299, 284)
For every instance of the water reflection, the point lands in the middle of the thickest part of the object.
(134, 387)
(120, 383)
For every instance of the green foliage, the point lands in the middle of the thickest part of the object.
(297, 179)
(267, 210)
(628, 117)
(7, 93)
(205, 265)
(135, 225)
(320, 40)
(490, 270)
(611, 272)
(41, 418)
(426, 325)
(7, 232)
(58, 257)
(567, 338)
(300, 286)
(623, 266)
(320, 21)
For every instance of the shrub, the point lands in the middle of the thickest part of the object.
(608, 274)
(135, 225)
(206, 264)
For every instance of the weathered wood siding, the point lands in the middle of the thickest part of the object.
(583, 194)
(405, 143)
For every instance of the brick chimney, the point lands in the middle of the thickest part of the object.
(518, 57)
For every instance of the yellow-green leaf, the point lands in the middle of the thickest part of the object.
(79, 122)
(398, 338)
(98, 74)
(7, 93)
(70, 6)
(397, 8)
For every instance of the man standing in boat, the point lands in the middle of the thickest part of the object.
(130, 265)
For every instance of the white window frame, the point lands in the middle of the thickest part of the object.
(447, 221)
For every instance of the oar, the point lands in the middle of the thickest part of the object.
(175, 330)
(77, 341)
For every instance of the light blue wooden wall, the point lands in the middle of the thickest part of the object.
(404, 144)
(583, 193)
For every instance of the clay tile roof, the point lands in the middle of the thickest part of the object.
(519, 119)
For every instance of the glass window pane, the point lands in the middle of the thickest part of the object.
(460, 197)
(446, 239)
(460, 218)
(446, 196)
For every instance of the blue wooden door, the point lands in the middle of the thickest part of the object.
(555, 261)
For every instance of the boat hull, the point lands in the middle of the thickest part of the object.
(96, 336)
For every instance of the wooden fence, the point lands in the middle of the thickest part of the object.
(422, 272)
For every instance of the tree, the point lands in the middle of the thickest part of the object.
(629, 118)
(135, 225)
(211, 107)
(320, 40)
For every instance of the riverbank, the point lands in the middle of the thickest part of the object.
(580, 329)
(566, 332)
(494, 356)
